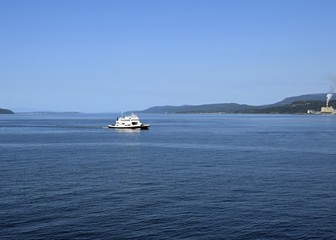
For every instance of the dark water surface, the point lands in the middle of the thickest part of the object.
(188, 177)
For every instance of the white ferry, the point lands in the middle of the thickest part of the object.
(129, 122)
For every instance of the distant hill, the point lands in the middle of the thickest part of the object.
(297, 104)
(297, 107)
(208, 108)
(306, 97)
(6, 111)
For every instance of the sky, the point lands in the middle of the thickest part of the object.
(107, 56)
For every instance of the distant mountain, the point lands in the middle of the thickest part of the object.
(6, 111)
(208, 108)
(306, 97)
(297, 104)
(297, 107)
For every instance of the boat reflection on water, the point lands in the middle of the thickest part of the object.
(125, 130)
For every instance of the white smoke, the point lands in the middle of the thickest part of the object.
(332, 80)
(329, 95)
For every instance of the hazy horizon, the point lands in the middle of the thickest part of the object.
(32, 110)
(107, 56)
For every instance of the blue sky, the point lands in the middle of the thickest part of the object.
(106, 56)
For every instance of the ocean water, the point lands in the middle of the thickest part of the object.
(214, 176)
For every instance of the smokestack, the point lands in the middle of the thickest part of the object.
(329, 95)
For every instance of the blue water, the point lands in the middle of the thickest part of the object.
(188, 177)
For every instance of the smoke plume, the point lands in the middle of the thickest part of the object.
(329, 95)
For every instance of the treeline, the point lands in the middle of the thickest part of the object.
(295, 107)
